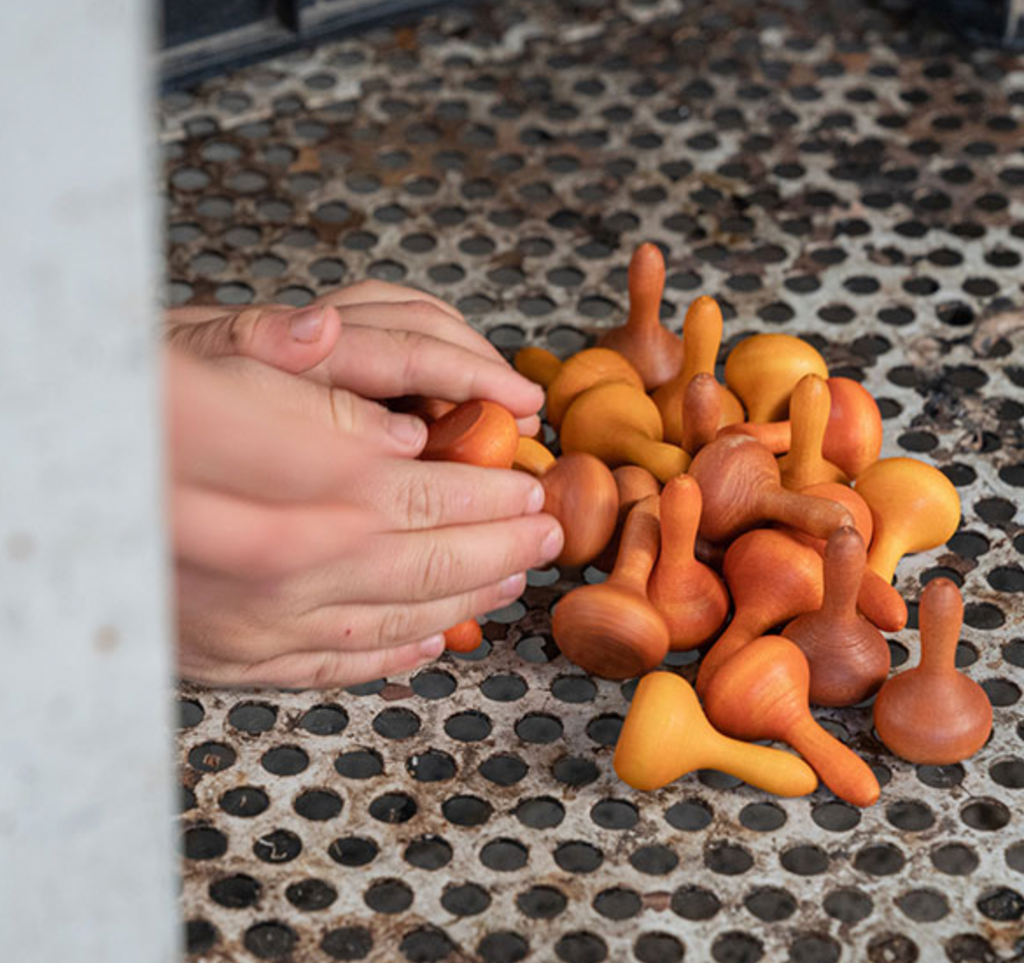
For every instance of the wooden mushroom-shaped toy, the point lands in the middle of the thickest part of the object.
(878, 600)
(702, 335)
(933, 714)
(848, 658)
(853, 437)
(537, 364)
(531, 456)
(804, 464)
(691, 598)
(763, 370)
(772, 578)
(580, 492)
(633, 484)
(611, 629)
(475, 433)
(592, 366)
(643, 340)
(761, 693)
(479, 433)
(739, 479)
(914, 506)
(666, 735)
(702, 404)
(621, 425)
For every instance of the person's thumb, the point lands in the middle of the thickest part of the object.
(290, 339)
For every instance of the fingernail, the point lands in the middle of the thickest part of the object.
(553, 542)
(408, 430)
(512, 587)
(431, 648)
(307, 325)
(535, 500)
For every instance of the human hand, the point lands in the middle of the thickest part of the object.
(310, 556)
(376, 339)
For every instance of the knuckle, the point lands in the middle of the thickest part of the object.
(395, 625)
(436, 573)
(421, 501)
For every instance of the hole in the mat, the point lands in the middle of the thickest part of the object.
(578, 857)
(605, 729)
(910, 815)
(654, 860)
(426, 945)
(504, 855)
(658, 948)
(614, 814)
(736, 947)
(1002, 904)
(538, 728)
(837, 817)
(814, 948)
(278, 846)
(804, 860)
(503, 769)
(235, 892)
(504, 688)
(466, 899)
(575, 771)
(311, 895)
(428, 852)
(542, 812)
(467, 810)
(503, 947)
(324, 720)
(941, 777)
(285, 760)
(433, 684)
(388, 896)
(393, 807)
(727, 859)
(581, 947)
(542, 902)
(211, 757)
(574, 689)
(695, 903)
(318, 805)
(987, 815)
(353, 850)
(848, 905)
(431, 766)
(203, 842)
(253, 717)
(270, 941)
(469, 726)
(770, 904)
(244, 801)
(347, 943)
(396, 723)
(359, 764)
(923, 905)
(882, 859)
(691, 815)
(954, 859)
(1008, 773)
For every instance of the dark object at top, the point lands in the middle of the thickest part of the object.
(992, 23)
(199, 38)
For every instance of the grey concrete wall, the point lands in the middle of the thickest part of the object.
(87, 856)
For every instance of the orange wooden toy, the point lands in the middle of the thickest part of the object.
(761, 693)
(643, 340)
(934, 714)
(804, 464)
(611, 629)
(763, 370)
(848, 658)
(692, 599)
(666, 735)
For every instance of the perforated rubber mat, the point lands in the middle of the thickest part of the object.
(841, 172)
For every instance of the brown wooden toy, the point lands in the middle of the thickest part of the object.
(804, 464)
(702, 335)
(739, 479)
(621, 425)
(761, 693)
(666, 735)
(763, 370)
(633, 483)
(933, 714)
(853, 438)
(848, 658)
(610, 629)
(774, 435)
(476, 433)
(581, 493)
(648, 345)
(878, 600)
(914, 506)
(701, 408)
(772, 578)
(691, 598)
